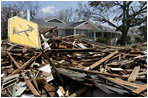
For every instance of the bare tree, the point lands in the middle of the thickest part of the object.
(121, 15)
(34, 8)
(8, 11)
(67, 15)
(83, 12)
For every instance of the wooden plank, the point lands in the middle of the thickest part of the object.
(73, 61)
(34, 81)
(129, 83)
(79, 92)
(24, 49)
(49, 90)
(25, 64)
(62, 89)
(113, 80)
(10, 47)
(102, 60)
(96, 72)
(73, 50)
(32, 88)
(141, 89)
(15, 63)
(134, 74)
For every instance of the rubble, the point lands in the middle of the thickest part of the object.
(71, 66)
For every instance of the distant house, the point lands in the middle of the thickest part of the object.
(89, 29)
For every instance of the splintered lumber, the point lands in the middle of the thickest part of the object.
(102, 60)
(79, 92)
(134, 74)
(113, 80)
(97, 72)
(10, 47)
(62, 89)
(126, 85)
(141, 89)
(23, 66)
(49, 90)
(73, 50)
(35, 82)
(32, 88)
(15, 63)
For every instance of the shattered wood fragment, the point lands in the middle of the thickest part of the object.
(32, 88)
(97, 72)
(23, 66)
(73, 50)
(49, 90)
(73, 61)
(79, 92)
(24, 49)
(34, 82)
(134, 74)
(102, 60)
(140, 89)
(16, 64)
(62, 90)
(10, 47)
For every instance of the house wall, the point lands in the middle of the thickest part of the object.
(89, 34)
(61, 32)
(88, 30)
(69, 32)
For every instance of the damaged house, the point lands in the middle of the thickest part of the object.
(89, 29)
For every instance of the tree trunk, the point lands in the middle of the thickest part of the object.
(124, 37)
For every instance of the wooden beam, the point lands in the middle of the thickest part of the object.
(62, 90)
(32, 88)
(49, 90)
(73, 50)
(79, 92)
(102, 60)
(134, 74)
(96, 72)
(23, 66)
(15, 63)
(9, 48)
(141, 89)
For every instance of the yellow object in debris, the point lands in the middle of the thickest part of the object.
(23, 32)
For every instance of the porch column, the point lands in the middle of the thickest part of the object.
(102, 34)
(95, 35)
(74, 31)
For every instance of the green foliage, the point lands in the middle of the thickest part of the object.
(139, 39)
(129, 40)
(101, 40)
(143, 30)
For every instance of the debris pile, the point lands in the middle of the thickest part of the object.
(70, 67)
